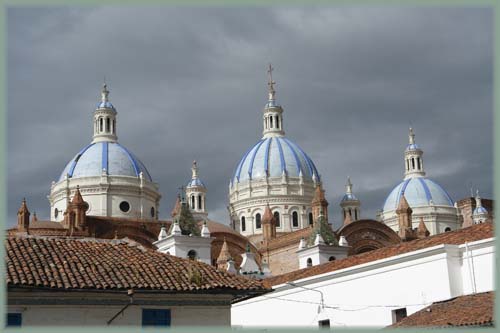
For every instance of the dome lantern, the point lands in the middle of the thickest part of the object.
(414, 164)
(104, 119)
(273, 113)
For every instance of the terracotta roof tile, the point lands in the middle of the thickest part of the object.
(468, 310)
(87, 263)
(460, 236)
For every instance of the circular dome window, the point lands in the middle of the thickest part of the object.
(152, 212)
(124, 206)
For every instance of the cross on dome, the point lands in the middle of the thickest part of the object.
(270, 82)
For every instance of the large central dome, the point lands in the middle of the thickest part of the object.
(272, 157)
(274, 172)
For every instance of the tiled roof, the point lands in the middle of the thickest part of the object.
(470, 234)
(88, 263)
(468, 310)
(289, 238)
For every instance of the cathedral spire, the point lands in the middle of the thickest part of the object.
(273, 113)
(414, 164)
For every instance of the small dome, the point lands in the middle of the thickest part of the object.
(418, 191)
(273, 156)
(412, 146)
(349, 197)
(105, 105)
(480, 210)
(112, 156)
(195, 182)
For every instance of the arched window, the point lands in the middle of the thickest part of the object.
(413, 163)
(277, 122)
(114, 126)
(355, 214)
(257, 221)
(271, 122)
(199, 201)
(418, 163)
(407, 164)
(108, 126)
(295, 219)
(447, 229)
(243, 224)
(100, 124)
(350, 213)
(332, 258)
(277, 218)
(311, 218)
(192, 254)
(309, 262)
(192, 202)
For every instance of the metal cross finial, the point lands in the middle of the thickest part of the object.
(271, 83)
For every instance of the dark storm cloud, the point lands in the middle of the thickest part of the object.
(190, 83)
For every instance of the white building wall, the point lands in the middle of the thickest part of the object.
(59, 315)
(366, 295)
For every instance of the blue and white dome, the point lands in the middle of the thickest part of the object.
(111, 156)
(105, 105)
(418, 191)
(195, 182)
(272, 156)
(349, 197)
(480, 210)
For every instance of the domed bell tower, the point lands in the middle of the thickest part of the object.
(196, 194)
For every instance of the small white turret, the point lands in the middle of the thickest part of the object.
(343, 241)
(204, 230)
(105, 119)
(302, 243)
(319, 240)
(163, 233)
(176, 229)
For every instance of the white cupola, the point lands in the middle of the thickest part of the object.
(273, 113)
(480, 213)
(196, 194)
(350, 204)
(104, 119)
(414, 164)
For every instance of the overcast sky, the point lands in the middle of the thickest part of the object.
(190, 83)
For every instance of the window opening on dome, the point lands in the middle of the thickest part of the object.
(309, 262)
(152, 212)
(447, 229)
(124, 206)
(407, 165)
(192, 202)
(332, 258)
(277, 219)
(56, 213)
(277, 122)
(413, 163)
(100, 125)
(350, 213)
(108, 129)
(199, 202)
(271, 122)
(418, 163)
(355, 214)
(295, 220)
(192, 254)
(114, 126)
(243, 224)
(311, 218)
(257, 221)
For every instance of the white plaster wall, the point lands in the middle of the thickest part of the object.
(43, 315)
(365, 295)
(104, 195)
